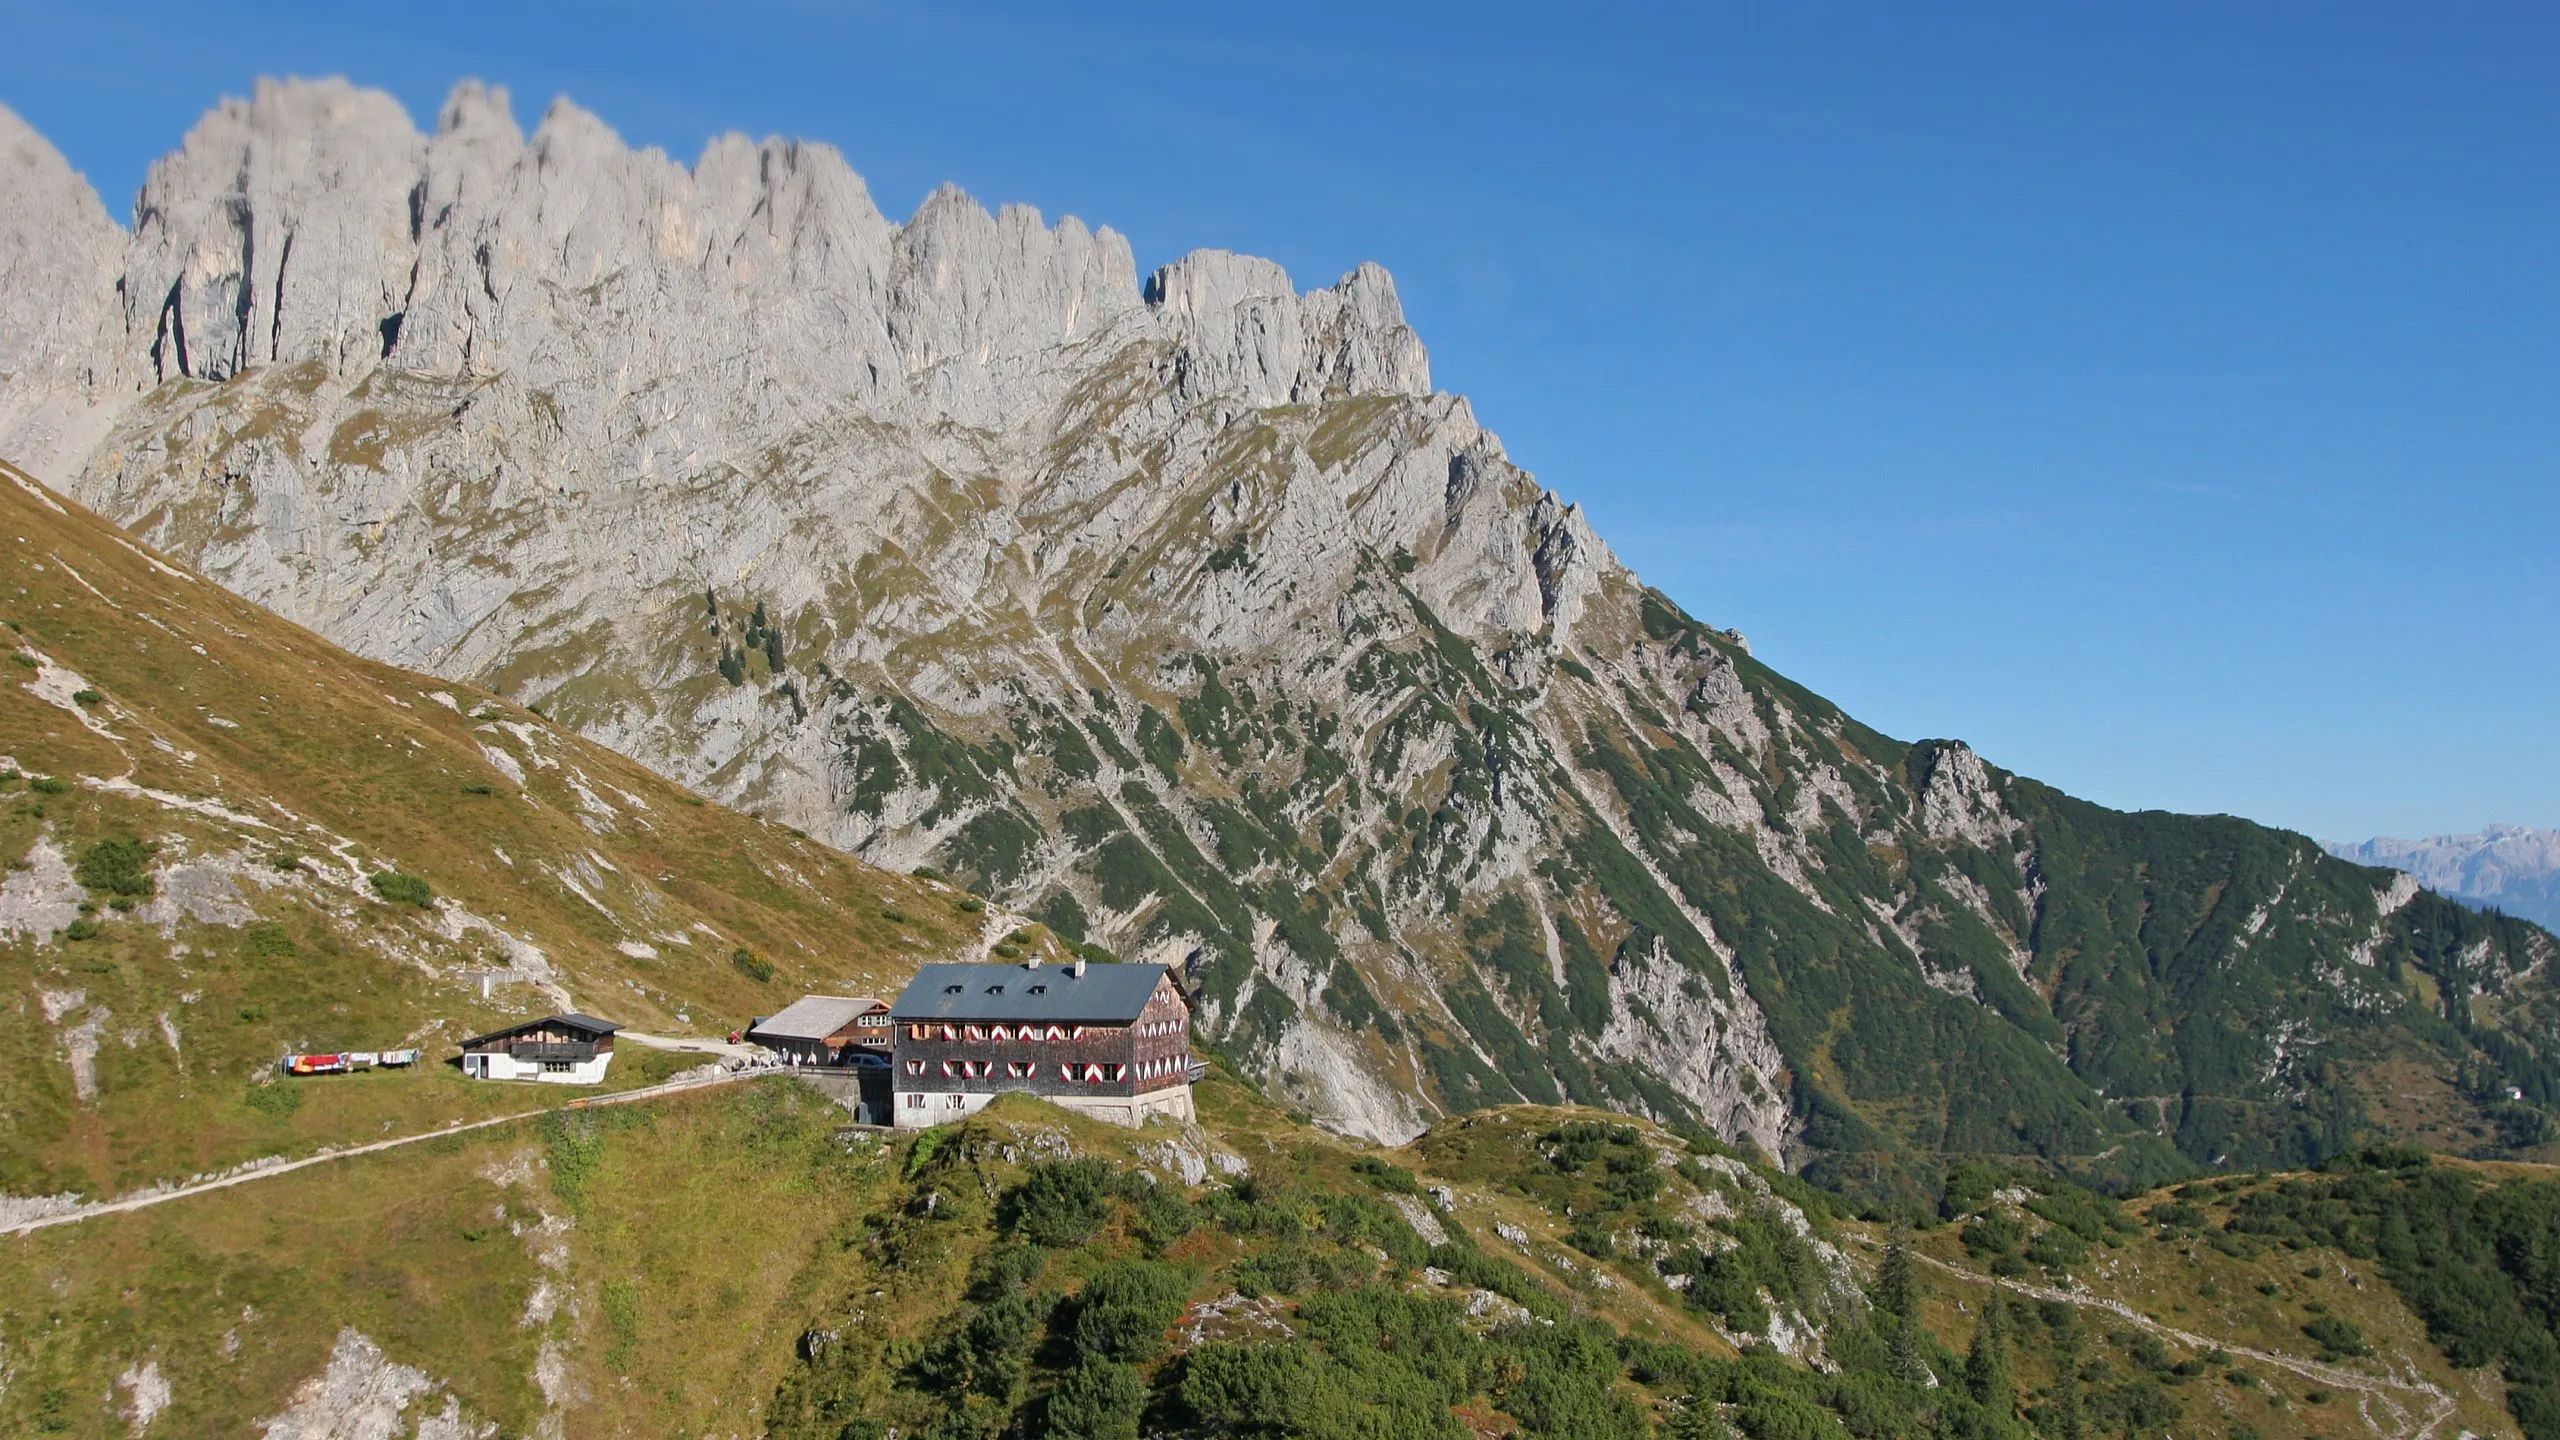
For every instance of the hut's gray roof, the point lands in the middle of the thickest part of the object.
(815, 1017)
(1022, 992)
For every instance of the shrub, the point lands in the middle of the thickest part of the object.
(986, 1351)
(83, 928)
(1386, 1175)
(1099, 1400)
(276, 1099)
(1994, 1233)
(2336, 1336)
(1162, 1216)
(49, 785)
(2177, 1215)
(1590, 1235)
(268, 944)
(755, 967)
(1007, 1269)
(86, 697)
(1060, 1203)
(2056, 1248)
(1126, 1308)
(118, 865)
(1245, 1388)
(403, 888)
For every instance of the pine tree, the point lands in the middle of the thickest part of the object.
(1898, 1310)
(1986, 1365)
(2068, 1423)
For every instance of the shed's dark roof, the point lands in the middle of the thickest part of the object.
(570, 1020)
(1020, 992)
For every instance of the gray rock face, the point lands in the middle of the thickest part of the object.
(2513, 867)
(212, 276)
(1184, 616)
(60, 256)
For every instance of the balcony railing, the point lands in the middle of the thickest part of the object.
(575, 1051)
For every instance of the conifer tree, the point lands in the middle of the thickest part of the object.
(1986, 1365)
(2068, 1423)
(1898, 1309)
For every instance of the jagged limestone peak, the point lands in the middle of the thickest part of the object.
(472, 107)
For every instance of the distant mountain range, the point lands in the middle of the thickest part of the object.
(2513, 867)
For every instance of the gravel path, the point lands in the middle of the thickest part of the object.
(256, 1171)
(2399, 1419)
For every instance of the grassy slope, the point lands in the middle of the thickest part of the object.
(323, 769)
(673, 1257)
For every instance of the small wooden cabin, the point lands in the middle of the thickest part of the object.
(567, 1049)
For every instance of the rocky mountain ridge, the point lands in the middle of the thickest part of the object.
(1186, 616)
(2513, 867)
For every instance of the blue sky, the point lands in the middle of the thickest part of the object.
(2164, 398)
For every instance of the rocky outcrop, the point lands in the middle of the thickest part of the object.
(366, 1395)
(1249, 334)
(1957, 798)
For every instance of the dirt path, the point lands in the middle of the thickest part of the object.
(255, 1171)
(690, 1045)
(2403, 1422)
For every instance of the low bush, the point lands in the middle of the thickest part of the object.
(403, 888)
(117, 865)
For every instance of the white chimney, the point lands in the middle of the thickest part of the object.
(1077, 969)
(1033, 963)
